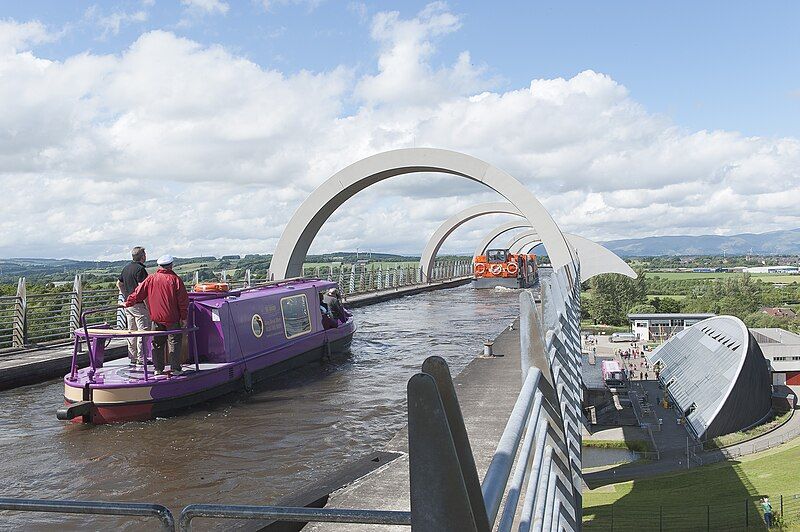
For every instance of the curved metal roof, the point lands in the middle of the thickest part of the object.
(716, 371)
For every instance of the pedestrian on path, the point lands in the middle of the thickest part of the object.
(767, 507)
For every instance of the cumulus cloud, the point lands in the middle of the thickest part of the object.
(193, 149)
(20, 36)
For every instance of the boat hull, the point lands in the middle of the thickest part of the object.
(172, 396)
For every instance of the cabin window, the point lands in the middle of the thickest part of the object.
(296, 320)
(496, 255)
(257, 324)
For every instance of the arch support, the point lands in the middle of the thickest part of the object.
(293, 245)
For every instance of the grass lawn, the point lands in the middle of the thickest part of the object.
(681, 498)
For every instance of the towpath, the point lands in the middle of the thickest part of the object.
(487, 389)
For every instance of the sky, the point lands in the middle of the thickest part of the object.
(197, 127)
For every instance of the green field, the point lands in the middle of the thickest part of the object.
(695, 276)
(724, 487)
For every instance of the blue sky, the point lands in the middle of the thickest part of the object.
(708, 65)
(625, 119)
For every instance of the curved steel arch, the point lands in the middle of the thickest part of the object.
(497, 231)
(595, 259)
(454, 222)
(287, 261)
(603, 260)
(522, 239)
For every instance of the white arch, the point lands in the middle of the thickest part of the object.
(287, 261)
(497, 231)
(522, 239)
(603, 260)
(426, 261)
(595, 259)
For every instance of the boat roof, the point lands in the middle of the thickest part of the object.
(216, 300)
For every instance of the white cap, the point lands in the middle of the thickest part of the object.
(165, 260)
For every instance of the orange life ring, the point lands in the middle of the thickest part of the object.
(512, 268)
(211, 287)
(480, 267)
(495, 269)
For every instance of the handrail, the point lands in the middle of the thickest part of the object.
(149, 334)
(92, 507)
(294, 514)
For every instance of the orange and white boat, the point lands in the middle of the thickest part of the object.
(501, 268)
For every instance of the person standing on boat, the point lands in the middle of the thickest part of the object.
(168, 302)
(138, 317)
(331, 299)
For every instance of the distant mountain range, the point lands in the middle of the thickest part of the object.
(785, 242)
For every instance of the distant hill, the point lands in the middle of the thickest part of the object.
(785, 242)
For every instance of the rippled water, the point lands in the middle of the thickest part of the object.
(247, 449)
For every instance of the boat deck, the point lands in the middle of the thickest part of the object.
(120, 373)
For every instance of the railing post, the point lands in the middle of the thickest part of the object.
(341, 277)
(352, 285)
(196, 279)
(75, 305)
(19, 327)
(247, 278)
(122, 321)
(439, 497)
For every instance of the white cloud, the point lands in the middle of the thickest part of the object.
(191, 149)
(112, 23)
(206, 7)
(21, 36)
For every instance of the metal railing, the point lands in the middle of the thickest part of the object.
(28, 320)
(156, 511)
(735, 513)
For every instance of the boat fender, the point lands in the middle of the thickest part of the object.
(68, 412)
(248, 382)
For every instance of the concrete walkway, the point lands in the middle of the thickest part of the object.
(487, 389)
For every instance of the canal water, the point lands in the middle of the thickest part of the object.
(245, 449)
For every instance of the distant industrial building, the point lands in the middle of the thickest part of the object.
(716, 374)
(790, 270)
(662, 327)
(782, 349)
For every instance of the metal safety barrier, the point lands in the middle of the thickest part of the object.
(156, 511)
(29, 320)
(298, 515)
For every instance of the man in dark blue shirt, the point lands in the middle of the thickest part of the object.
(137, 315)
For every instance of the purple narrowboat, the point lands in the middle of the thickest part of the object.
(235, 339)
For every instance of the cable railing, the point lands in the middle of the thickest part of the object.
(32, 320)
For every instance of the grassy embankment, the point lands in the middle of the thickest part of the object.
(721, 486)
(737, 437)
(639, 446)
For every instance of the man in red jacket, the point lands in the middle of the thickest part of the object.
(168, 302)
